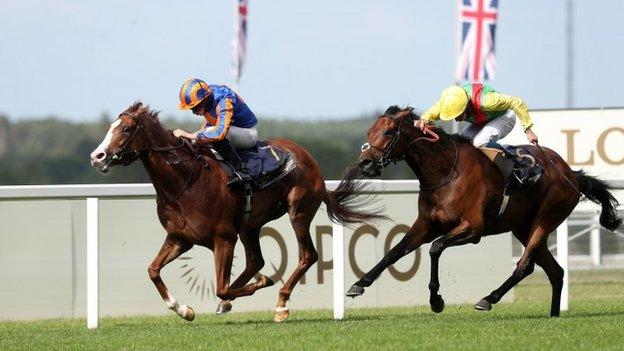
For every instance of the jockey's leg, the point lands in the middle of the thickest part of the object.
(470, 131)
(495, 129)
(226, 149)
(242, 138)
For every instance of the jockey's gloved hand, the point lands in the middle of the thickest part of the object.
(531, 136)
(420, 124)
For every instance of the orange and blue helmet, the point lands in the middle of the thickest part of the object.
(193, 91)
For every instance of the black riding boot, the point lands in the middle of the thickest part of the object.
(526, 172)
(227, 151)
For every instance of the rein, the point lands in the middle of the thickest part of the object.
(137, 152)
(558, 170)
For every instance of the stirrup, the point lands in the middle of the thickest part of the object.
(239, 177)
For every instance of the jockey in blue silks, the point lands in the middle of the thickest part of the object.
(229, 124)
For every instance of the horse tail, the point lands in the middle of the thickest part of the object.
(598, 191)
(344, 202)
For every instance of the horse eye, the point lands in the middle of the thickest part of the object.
(389, 132)
(125, 129)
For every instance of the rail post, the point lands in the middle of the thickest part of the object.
(338, 270)
(92, 263)
(562, 258)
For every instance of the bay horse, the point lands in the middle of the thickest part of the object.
(195, 206)
(460, 196)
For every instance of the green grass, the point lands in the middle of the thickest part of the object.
(595, 321)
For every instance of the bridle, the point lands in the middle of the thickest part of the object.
(386, 158)
(137, 152)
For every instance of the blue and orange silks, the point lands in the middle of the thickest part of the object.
(228, 109)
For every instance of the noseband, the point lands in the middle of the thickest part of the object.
(385, 158)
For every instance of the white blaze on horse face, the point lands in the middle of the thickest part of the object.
(100, 152)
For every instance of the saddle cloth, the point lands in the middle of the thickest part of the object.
(265, 163)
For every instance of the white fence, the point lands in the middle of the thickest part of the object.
(92, 194)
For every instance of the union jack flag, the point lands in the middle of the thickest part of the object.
(239, 43)
(477, 26)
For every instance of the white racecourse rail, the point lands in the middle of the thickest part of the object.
(93, 193)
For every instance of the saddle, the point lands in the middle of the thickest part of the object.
(519, 167)
(265, 163)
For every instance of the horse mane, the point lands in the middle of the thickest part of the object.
(412, 116)
(143, 113)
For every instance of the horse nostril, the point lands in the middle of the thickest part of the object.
(100, 156)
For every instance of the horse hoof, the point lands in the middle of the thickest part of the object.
(483, 305)
(190, 314)
(437, 305)
(355, 291)
(224, 307)
(281, 313)
(267, 281)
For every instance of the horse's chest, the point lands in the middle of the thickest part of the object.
(171, 218)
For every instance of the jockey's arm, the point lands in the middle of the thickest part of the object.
(225, 113)
(432, 114)
(501, 102)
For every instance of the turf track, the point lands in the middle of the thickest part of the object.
(595, 321)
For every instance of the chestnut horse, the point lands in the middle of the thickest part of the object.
(197, 208)
(460, 196)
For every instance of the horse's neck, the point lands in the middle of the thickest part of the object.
(168, 170)
(432, 162)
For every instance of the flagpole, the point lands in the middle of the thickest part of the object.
(235, 58)
(570, 53)
(455, 124)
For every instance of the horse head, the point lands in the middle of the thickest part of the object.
(125, 139)
(386, 140)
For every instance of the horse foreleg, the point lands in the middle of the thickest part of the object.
(171, 249)
(462, 234)
(254, 263)
(415, 236)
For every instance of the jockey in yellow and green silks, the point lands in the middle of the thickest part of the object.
(229, 123)
(491, 115)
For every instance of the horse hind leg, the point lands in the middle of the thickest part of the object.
(301, 212)
(171, 249)
(540, 228)
(555, 273)
(254, 263)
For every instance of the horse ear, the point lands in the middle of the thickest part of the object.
(392, 110)
(407, 114)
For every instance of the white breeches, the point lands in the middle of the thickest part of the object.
(242, 138)
(494, 130)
